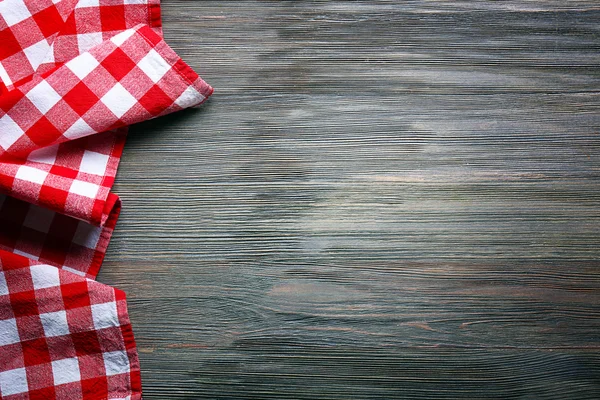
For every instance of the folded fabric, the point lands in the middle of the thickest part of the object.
(132, 77)
(73, 75)
(56, 239)
(63, 336)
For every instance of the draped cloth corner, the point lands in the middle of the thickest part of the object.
(74, 74)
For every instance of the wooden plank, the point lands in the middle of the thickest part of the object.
(382, 200)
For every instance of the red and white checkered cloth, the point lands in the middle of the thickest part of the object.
(63, 336)
(73, 75)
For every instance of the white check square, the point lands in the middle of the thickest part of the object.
(79, 129)
(43, 96)
(9, 333)
(154, 66)
(86, 41)
(87, 3)
(93, 163)
(14, 11)
(84, 189)
(44, 276)
(190, 97)
(4, 76)
(3, 285)
(32, 175)
(45, 155)
(118, 100)
(105, 315)
(87, 235)
(66, 371)
(13, 381)
(11, 132)
(55, 323)
(120, 38)
(116, 362)
(39, 219)
(82, 65)
(37, 52)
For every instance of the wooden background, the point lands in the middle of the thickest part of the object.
(382, 200)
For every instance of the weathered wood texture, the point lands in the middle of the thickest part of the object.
(382, 200)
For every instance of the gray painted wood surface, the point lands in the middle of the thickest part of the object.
(382, 200)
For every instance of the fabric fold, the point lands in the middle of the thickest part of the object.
(132, 77)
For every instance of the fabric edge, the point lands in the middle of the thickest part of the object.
(113, 210)
(110, 175)
(130, 346)
(154, 15)
(184, 70)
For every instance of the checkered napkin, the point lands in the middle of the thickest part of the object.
(73, 75)
(63, 336)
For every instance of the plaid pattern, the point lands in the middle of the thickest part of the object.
(55, 239)
(73, 75)
(69, 177)
(63, 336)
(38, 35)
(132, 77)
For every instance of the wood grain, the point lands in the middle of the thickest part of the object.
(382, 200)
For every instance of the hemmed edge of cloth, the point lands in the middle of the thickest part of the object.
(186, 72)
(112, 208)
(155, 15)
(130, 345)
(109, 176)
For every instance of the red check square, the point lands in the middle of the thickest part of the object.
(81, 98)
